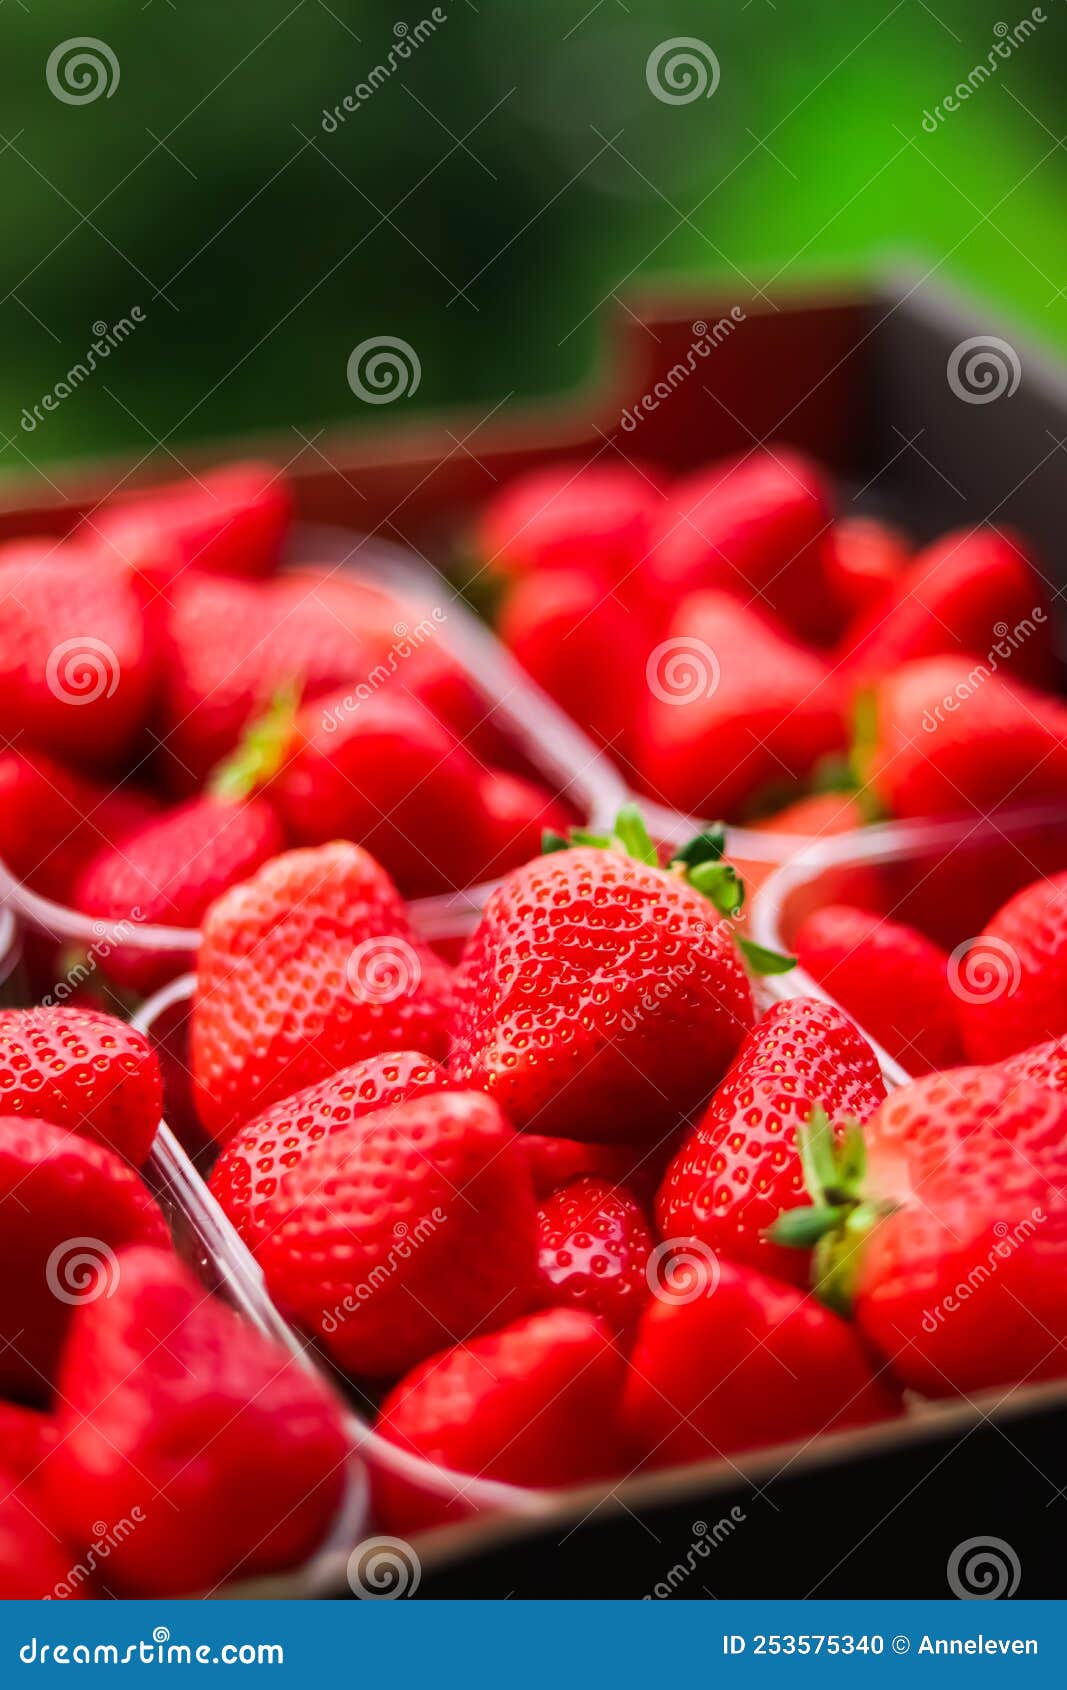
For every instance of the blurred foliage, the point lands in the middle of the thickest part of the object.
(490, 196)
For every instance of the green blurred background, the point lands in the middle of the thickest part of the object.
(489, 197)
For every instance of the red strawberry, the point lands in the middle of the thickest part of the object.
(75, 673)
(740, 1361)
(511, 816)
(68, 1205)
(169, 870)
(950, 1247)
(414, 1228)
(307, 967)
(557, 1161)
(954, 736)
(576, 639)
(1043, 1064)
(84, 1071)
(735, 705)
(739, 1168)
(865, 562)
(1012, 979)
(256, 1163)
(756, 527)
(228, 1455)
(52, 819)
(35, 1565)
(599, 515)
(890, 977)
(600, 997)
(594, 1248)
(974, 593)
(229, 521)
(534, 1404)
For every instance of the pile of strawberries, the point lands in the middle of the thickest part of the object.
(175, 711)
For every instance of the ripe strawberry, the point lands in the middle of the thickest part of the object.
(972, 593)
(601, 997)
(950, 1245)
(890, 977)
(954, 736)
(256, 1163)
(740, 1166)
(413, 1228)
(735, 704)
(35, 1565)
(865, 561)
(511, 815)
(593, 1249)
(599, 515)
(1013, 990)
(307, 967)
(229, 521)
(757, 527)
(68, 1205)
(742, 1363)
(581, 644)
(75, 674)
(84, 1071)
(555, 1162)
(169, 870)
(533, 1404)
(228, 1455)
(52, 819)
(1043, 1064)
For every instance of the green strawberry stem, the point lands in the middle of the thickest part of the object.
(700, 862)
(262, 749)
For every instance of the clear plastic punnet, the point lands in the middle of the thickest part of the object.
(946, 877)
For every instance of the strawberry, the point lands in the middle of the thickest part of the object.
(84, 1071)
(600, 515)
(228, 1455)
(601, 997)
(735, 704)
(1043, 1064)
(554, 1162)
(229, 521)
(258, 1160)
(35, 1565)
(52, 819)
(947, 1241)
(952, 735)
(735, 1361)
(413, 1228)
(740, 1167)
(890, 977)
(865, 562)
(576, 639)
(1012, 979)
(511, 816)
(756, 527)
(533, 1404)
(75, 675)
(307, 967)
(593, 1248)
(68, 1205)
(972, 593)
(166, 873)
